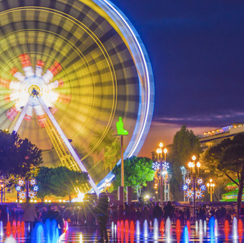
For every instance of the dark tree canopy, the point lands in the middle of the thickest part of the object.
(185, 144)
(61, 182)
(137, 172)
(228, 158)
(18, 158)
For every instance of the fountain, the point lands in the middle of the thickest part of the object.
(150, 226)
(240, 226)
(211, 227)
(216, 228)
(8, 229)
(196, 226)
(178, 229)
(10, 239)
(122, 227)
(155, 229)
(162, 227)
(188, 226)
(18, 227)
(200, 227)
(14, 227)
(168, 229)
(47, 231)
(66, 226)
(37, 235)
(132, 227)
(226, 229)
(234, 229)
(145, 229)
(126, 226)
(112, 229)
(1, 229)
(138, 228)
(54, 236)
(185, 235)
(205, 227)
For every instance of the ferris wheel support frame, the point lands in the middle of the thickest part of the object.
(62, 135)
(21, 117)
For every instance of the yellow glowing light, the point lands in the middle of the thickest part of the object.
(159, 151)
(60, 200)
(31, 200)
(80, 197)
(45, 201)
(198, 164)
(165, 151)
(49, 201)
(20, 201)
(207, 184)
(193, 157)
(210, 180)
(63, 200)
(161, 145)
(35, 201)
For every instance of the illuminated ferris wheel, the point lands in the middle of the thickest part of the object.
(68, 70)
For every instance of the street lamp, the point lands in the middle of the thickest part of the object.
(192, 166)
(211, 186)
(159, 152)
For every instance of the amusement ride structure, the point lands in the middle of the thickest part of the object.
(69, 70)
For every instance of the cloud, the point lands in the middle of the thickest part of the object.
(210, 120)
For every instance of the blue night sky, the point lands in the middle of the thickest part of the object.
(196, 50)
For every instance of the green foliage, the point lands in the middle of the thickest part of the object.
(109, 147)
(185, 144)
(18, 158)
(228, 158)
(137, 172)
(60, 181)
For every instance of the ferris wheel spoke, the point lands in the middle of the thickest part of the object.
(21, 117)
(67, 143)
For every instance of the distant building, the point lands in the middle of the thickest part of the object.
(214, 137)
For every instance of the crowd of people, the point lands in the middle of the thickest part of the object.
(100, 213)
(85, 214)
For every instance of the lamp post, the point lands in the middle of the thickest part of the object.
(211, 186)
(159, 152)
(192, 166)
(121, 132)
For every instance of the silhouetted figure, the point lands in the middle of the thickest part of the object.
(157, 212)
(102, 215)
(168, 210)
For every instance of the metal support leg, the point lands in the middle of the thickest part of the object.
(67, 143)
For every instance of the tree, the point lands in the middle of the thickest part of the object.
(109, 147)
(18, 158)
(61, 182)
(185, 144)
(44, 181)
(137, 172)
(228, 158)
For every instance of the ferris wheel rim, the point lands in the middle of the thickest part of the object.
(145, 70)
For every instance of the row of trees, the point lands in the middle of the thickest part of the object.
(224, 162)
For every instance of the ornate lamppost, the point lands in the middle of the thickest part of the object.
(211, 186)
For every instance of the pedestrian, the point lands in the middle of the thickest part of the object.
(157, 212)
(102, 215)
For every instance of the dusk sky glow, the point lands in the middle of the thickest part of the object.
(196, 51)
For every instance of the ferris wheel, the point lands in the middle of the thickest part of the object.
(68, 71)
